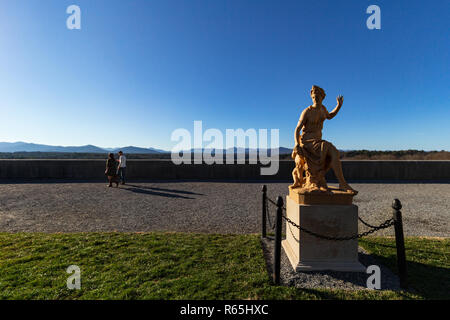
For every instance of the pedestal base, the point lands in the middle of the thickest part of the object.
(332, 196)
(309, 253)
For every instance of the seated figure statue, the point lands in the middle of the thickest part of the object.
(314, 156)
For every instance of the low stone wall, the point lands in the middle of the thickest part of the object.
(166, 170)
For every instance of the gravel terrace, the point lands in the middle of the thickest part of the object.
(211, 207)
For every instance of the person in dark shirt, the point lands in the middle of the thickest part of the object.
(111, 170)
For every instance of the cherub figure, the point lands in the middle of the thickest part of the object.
(314, 156)
(297, 173)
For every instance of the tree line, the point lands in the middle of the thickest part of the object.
(345, 155)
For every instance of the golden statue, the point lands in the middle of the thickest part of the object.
(314, 156)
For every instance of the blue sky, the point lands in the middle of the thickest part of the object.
(137, 70)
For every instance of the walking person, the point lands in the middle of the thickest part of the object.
(122, 167)
(111, 170)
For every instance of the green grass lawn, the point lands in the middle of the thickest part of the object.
(186, 266)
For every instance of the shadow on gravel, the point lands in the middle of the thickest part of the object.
(166, 190)
(330, 295)
(154, 193)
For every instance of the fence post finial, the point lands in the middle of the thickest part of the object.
(396, 204)
(279, 202)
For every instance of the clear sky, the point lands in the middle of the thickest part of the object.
(137, 70)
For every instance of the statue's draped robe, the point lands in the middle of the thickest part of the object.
(314, 149)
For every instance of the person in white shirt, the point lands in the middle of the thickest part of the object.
(122, 167)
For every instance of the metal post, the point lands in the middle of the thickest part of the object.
(400, 243)
(277, 248)
(264, 206)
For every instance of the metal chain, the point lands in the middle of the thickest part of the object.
(384, 225)
(292, 233)
(365, 223)
(272, 226)
(271, 201)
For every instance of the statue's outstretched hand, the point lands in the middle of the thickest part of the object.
(340, 100)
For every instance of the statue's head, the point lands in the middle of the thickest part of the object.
(317, 94)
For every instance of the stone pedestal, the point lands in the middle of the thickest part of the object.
(309, 253)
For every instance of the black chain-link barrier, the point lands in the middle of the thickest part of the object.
(395, 221)
(271, 225)
(272, 202)
(366, 224)
(386, 224)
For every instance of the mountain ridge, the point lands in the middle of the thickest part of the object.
(34, 147)
(21, 146)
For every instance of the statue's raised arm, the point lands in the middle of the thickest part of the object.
(340, 101)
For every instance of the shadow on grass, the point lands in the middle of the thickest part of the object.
(431, 282)
(426, 280)
(409, 249)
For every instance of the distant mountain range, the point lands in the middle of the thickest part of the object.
(33, 147)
